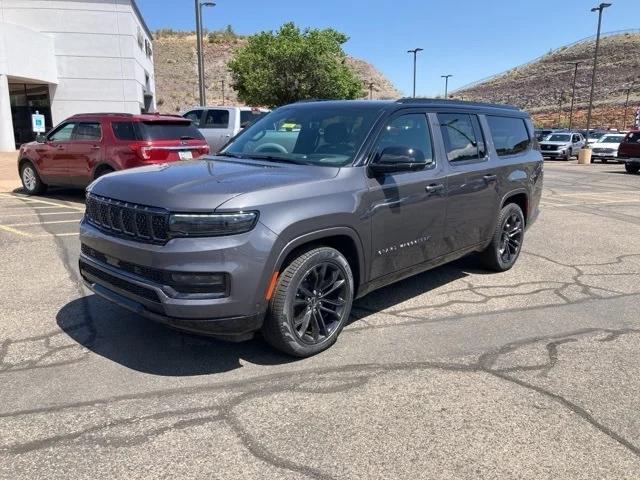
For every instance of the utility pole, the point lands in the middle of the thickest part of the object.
(626, 105)
(598, 9)
(415, 53)
(573, 92)
(222, 81)
(200, 50)
(446, 84)
(370, 90)
(560, 107)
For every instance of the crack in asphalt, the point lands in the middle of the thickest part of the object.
(350, 377)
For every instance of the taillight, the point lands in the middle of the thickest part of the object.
(204, 150)
(143, 152)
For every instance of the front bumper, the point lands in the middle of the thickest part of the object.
(245, 258)
(554, 153)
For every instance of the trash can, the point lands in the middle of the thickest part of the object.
(584, 157)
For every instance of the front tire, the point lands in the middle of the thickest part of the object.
(506, 244)
(311, 303)
(31, 181)
(632, 168)
(568, 155)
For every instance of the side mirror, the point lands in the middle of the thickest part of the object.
(398, 159)
(40, 138)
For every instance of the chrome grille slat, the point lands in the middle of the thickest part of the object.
(136, 222)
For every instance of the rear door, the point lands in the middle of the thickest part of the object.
(407, 208)
(217, 127)
(472, 202)
(86, 150)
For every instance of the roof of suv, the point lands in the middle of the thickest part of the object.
(144, 117)
(413, 102)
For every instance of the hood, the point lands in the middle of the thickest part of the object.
(562, 144)
(203, 185)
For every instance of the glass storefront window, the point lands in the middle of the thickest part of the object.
(25, 100)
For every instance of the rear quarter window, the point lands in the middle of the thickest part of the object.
(125, 131)
(633, 137)
(510, 135)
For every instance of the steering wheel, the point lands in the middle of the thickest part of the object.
(270, 148)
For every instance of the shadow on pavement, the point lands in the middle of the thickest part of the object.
(143, 345)
(74, 195)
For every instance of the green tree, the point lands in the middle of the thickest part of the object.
(274, 69)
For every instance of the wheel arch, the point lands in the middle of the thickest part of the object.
(343, 239)
(519, 197)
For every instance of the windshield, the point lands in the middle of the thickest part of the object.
(612, 139)
(314, 136)
(558, 137)
(595, 135)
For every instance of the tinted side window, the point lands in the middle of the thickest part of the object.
(249, 116)
(63, 133)
(510, 135)
(216, 119)
(462, 136)
(408, 131)
(125, 131)
(88, 131)
(194, 116)
(168, 131)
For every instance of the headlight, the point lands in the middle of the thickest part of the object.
(212, 224)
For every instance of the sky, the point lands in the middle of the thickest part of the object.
(465, 38)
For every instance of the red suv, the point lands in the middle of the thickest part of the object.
(629, 151)
(86, 146)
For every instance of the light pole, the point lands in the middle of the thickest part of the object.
(370, 90)
(446, 84)
(598, 9)
(415, 53)
(199, 49)
(222, 81)
(573, 91)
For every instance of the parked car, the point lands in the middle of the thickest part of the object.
(284, 228)
(606, 148)
(562, 145)
(87, 146)
(220, 124)
(629, 151)
(542, 133)
(594, 135)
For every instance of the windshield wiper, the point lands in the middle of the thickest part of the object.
(230, 154)
(273, 158)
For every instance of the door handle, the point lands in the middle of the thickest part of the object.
(60, 147)
(434, 188)
(95, 147)
(490, 178)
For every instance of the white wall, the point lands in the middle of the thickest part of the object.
(99, 65)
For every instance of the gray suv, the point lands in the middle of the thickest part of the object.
(312, 206)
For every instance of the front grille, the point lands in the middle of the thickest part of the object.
(119, 283)
(136, 222)
(603, 150)
(550, 147)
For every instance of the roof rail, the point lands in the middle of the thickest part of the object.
(443, 101)
(95, 114)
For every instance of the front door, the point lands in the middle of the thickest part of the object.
(84, 152)
(472, 182)
(54, 155)
(407, 208)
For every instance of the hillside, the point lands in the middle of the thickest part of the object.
(538, 86)
(176, 70)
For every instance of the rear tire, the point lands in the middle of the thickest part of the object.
(311, 303)
(102, 171)
(632, 168)
(31, 181)
(506, 244)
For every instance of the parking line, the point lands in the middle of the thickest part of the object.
(17, 232)
(38, 213)
(33, 224)
(58, 234)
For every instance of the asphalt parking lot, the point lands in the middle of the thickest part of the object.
(455, 373)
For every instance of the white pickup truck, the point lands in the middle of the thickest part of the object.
(219, 124)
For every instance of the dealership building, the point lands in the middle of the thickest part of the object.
(62, 57)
